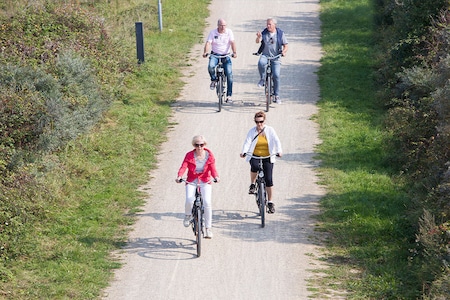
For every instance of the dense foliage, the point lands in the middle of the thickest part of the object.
(52, 89)
(416, 73)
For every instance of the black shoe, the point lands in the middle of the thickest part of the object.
(271, 207)
(252, 189)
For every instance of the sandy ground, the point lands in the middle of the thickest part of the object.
(243, 260)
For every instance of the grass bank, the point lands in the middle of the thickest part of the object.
(365, 207)
(95, 178)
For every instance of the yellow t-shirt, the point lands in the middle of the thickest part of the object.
(262, 146)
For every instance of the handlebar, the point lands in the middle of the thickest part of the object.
(195, 183)
(269, 57)
(219, 56)
(260, 157)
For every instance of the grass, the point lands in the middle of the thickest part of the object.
(365, 207)
(95, 178)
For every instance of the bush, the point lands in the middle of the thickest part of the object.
(419, 118)
(53, 87)
(75, 106)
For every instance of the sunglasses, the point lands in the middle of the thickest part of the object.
(271, 40)
(199, 145)
(259, 122)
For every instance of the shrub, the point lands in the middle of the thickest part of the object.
(75, 107)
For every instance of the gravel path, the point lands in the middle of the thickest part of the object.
(243, 260)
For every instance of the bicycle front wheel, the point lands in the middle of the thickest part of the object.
(198, 231)
(262, 203)
(220, 92)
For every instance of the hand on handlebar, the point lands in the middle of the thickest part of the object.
(245, 154)
(180, 180)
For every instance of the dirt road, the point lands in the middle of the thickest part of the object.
(243, 260)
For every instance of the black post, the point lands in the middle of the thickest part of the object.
(139, 42)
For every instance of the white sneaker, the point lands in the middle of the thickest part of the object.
(187, 220)
(277, 99)
(208, 233)
(229, 100)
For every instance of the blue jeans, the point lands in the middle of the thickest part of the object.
(213, 61)
(276, 69)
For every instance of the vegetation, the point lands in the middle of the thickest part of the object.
(80, 123)
(385, 131)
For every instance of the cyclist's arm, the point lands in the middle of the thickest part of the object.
(284, 50)
(278, 151)
(233, 48)
(258, 37)
(248, 143)
(206, 48)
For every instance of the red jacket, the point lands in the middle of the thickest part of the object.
(189, 163)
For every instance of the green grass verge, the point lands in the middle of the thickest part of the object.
(365, 207)
(95, 178)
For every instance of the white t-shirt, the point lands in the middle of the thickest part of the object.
(220, 42)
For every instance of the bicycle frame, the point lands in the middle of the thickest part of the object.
(268, 84)
(261, 193)
(221, 79)
(198, 220)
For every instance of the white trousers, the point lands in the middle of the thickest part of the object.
(206, 190)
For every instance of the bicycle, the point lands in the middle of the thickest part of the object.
(268, 84)
(198, 221)
(260, 191)
(221, 84)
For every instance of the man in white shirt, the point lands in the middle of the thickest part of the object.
(220, 41)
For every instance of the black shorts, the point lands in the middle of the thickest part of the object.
(267, 167)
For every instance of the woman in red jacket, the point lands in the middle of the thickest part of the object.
(201, 166)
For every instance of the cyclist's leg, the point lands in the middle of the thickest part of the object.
(253, 173)
(254, 166)
(262, 67)
(229, 73)
(206, 194)
(190, 198)
(268, 176)
(213, 61)
(276, 70)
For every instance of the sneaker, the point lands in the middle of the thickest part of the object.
(252, 189)
(212, 86)
(271, 207)
(261, 83)
(208, 233)
(276, 99)
(229, 99)
(187, 220)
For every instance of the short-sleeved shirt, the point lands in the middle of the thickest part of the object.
(221, 42)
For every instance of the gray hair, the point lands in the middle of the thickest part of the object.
(273, 20)
(198, 138)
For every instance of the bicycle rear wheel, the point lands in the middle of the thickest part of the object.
(268, 90)
(198, 230)
(220, 91)
(262, 203)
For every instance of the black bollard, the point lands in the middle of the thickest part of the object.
(139, 42)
